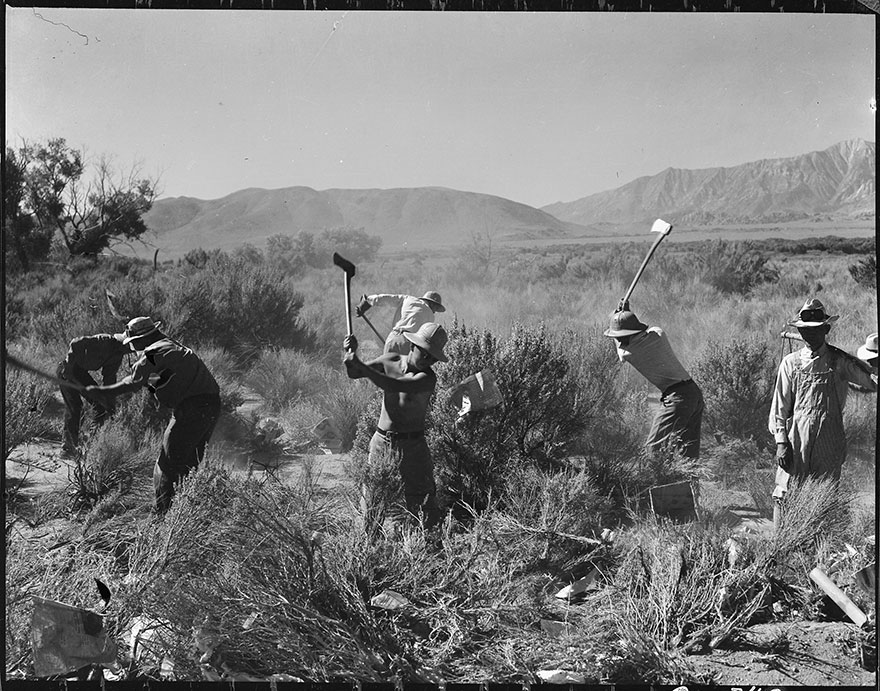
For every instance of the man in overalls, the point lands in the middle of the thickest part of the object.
(806, 414)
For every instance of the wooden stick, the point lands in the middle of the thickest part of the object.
(831, 590)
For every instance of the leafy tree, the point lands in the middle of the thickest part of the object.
(356, 245)
(291, 253)
(23, 236)
(91, 213)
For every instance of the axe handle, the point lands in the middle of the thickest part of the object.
(642, 267)
(15, 362)
(375, 331)
(348, 303)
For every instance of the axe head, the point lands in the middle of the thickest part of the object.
(661, 226)
(343, 264)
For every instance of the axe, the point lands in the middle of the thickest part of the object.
(348, 268)
(15, 362)
(662, 227)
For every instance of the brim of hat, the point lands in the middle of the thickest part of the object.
(620, 333)
(143, 335)
(422, 343)
(799, 323)
(864, 353)
(436, 306)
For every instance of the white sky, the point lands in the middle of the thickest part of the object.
(536, 108)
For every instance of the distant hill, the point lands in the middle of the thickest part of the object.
(835, 184)
(420, 217)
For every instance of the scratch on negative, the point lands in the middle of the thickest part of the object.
(336, 25)
(48, 21)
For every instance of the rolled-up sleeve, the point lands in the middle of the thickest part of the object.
(382, 299)
(782, 403)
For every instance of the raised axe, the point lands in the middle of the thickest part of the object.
(349, 270)
(659, 226)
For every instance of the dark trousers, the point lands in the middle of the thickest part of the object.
(679, 420)
(73, 402)
(183, 445)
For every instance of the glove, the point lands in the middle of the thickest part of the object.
(362, 306)
(784, 456)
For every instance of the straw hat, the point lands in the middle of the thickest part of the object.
(625, 323)
(138, 328)
(433, 298)
(869, 350)
(431, 337)
(813, 314)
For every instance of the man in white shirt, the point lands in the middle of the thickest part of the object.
(414, 312)
(647, 349)
(806, 414)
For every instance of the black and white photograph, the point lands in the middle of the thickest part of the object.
(529, 344)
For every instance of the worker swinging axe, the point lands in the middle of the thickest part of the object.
(659, 226)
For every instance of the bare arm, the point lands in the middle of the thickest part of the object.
(382, 372)
(377, 373)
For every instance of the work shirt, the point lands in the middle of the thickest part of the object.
(844, 370)
(413, 311)
(173, 373)
(99, 352)
(651, 354)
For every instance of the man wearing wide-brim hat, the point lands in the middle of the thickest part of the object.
(180, 381)
(806, 413)
(414, 312)
(679, 420)
(868, 352)
(407, 382)
(87, 354)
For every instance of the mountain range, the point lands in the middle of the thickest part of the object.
(835, 184)
(838, 182)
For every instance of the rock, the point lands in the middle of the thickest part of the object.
(560, 676)
(389, 600)
(579, 586)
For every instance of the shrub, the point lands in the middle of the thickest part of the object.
(110, 462)
(285, 375)
(25, 400)
(737, 379)
(551, 394)
(344, 402)
(864, 272)
(736, 267)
